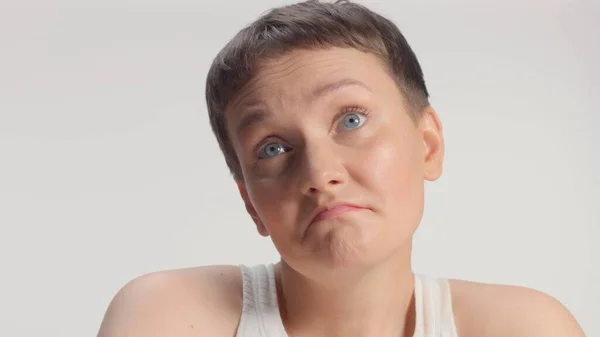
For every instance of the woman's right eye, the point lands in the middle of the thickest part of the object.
(271, 150)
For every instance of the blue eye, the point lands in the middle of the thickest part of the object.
(353, 120)
(271, 150)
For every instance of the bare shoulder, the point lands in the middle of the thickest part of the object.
(491, 310)
(200, 301)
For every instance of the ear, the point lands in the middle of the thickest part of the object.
(260, 226)
(433, 141)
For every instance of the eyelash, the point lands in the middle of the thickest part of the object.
(351, 109)
(346, 110)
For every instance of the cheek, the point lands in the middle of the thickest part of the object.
(393, 171)
(272, 203)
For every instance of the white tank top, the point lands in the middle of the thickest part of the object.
(261, 318)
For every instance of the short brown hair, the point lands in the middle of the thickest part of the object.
(309, 25)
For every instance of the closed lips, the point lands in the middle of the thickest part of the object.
(333, 210)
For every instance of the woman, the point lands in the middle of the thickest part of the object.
(322, 114)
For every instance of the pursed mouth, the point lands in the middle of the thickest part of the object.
(333, 211)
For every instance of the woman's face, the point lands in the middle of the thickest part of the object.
(328, 130)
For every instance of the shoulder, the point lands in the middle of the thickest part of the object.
(492, 310)
(184, 302)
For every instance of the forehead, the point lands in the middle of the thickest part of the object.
(301, 70)
(297, 77)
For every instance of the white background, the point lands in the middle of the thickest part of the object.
(109, 169)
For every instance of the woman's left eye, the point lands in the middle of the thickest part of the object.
(352, 121)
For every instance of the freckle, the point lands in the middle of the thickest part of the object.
(191, 326)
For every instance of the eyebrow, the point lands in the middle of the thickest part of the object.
(255, 113)
(252, 114)
(329, 88)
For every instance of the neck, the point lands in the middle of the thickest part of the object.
(378, 302)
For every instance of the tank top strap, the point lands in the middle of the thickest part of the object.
(260, 312)
(433, 305)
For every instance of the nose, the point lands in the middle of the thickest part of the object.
(322, 170)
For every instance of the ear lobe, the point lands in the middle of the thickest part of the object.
(433, 141)
(262, 229)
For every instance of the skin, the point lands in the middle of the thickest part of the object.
(350, 274)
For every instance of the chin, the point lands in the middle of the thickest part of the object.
(350, 246)
(345, 247)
